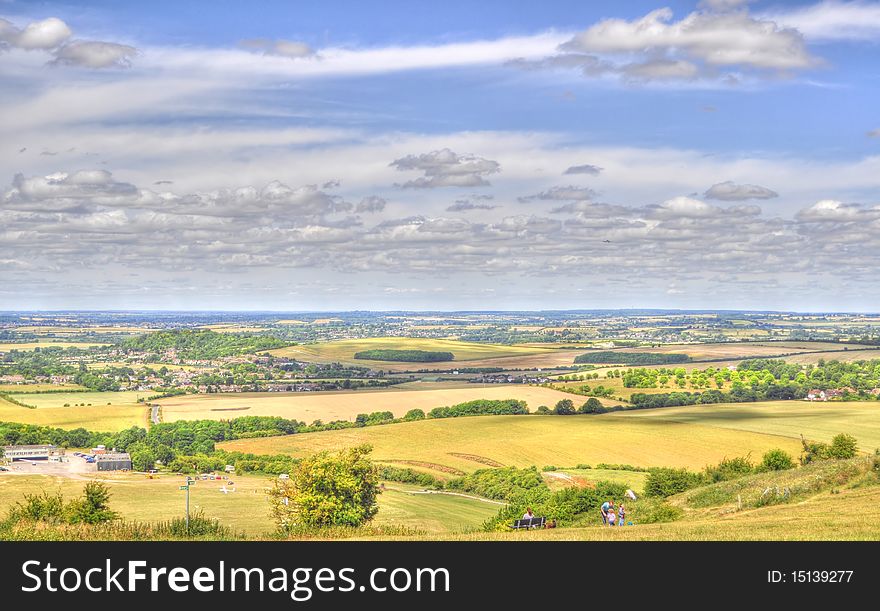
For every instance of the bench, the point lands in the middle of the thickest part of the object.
(529, 523)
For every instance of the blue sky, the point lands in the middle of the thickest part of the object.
(294, 155)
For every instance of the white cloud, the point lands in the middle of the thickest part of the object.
(445, 168)
(44, 35)
(284, 48)
(92, 54)
(832, 20)
(731, 191)
(592, 170)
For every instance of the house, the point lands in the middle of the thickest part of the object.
(29, 452)
(817, 395)
(114, 461)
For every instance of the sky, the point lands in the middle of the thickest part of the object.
(720, 154)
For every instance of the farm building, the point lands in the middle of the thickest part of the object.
(31, 452)
(120, 461)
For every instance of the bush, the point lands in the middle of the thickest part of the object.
(414, 414)
(501, 484)
(843, 446)
(663, 482)
(776, 460)
(92, 508)
(729, 468)
(543, 410)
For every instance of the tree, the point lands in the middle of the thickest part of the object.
(592, 406)
(327, 489)
(92, 508)
(414, 414)
(776, 460)
(843, 446)
(565, 407)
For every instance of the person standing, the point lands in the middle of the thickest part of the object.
(607, 506)
(621, 515)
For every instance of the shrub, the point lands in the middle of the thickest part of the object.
(663, 482)
(92, 508)
(729, 468)
(592, 406)
(843, 446)
(502, 484)
(414, 414)
(543, 410)
(776, 460)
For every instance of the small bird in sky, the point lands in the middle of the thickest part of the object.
(22, 149)
(607, 241)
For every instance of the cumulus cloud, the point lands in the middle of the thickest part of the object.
(93, 54)
(713, 43)
(371, 204)
(834, 211)
(53, 35)
(568, 193)
(464, 205)
(592, 170)
(730, 191)
(445, 168)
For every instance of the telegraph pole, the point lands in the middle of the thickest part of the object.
(186, 487)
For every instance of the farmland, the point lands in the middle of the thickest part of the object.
(818, 421)
(459, 444)
(95, 418)
(28, 346)
(468, 354)
(342, 405)
(58, 399)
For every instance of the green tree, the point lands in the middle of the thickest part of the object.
(93, 507)
(592, 406)
(776, 460)
(414, 414)
(327, 489)
(564, 407)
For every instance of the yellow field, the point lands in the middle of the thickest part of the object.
(345, 405)
(816, 421)
(28, 346)
(33, 388)
(109, 418)
(58, 399)
(734, 350)
(444, 445)
(80, 330)
(343, 351)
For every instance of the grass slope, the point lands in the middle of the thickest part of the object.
(534, 440)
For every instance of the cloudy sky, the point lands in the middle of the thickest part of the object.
(454, 155)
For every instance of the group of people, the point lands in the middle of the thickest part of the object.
(609, 517)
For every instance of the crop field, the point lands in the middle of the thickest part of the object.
(449, 446)
(625, 393)
(28, 346)
(34, 388)
(345, 405)
(343, 351)
(247, 509)
(99, 417)
(58, 399)
(818, 421)
(737, 350)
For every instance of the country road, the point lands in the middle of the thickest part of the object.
(154, 414)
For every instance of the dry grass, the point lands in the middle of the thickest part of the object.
(108, 418)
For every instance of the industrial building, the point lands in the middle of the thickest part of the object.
(29, 452)
(117, 461)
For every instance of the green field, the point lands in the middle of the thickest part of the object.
(247, 509)
(458, 444)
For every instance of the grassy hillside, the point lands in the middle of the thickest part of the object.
(439, 445)
(817, 421)
(99, 417)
